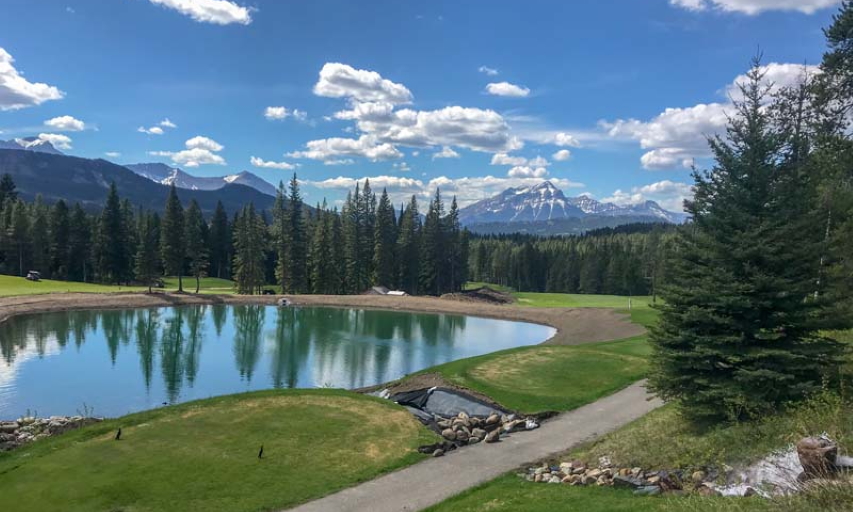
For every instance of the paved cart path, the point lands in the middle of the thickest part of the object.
(434, 480)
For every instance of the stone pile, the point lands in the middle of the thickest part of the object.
(637, 479)
(28, 429)
(463, 430)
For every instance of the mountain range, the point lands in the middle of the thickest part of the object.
(166, 175)
(545, 209)
(30, 144)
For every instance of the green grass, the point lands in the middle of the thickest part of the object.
(203, 455)
(10, 286)
(474, 285)
(569, 300)
(551, 378)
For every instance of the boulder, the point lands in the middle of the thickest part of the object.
(438, 453)
(627, 482)
(494, 436)
(474, 440)
(10, 427)
(817, 456)
(478, 432)
(448, 434)
(493, 419)
(706, 490)
(698, 477)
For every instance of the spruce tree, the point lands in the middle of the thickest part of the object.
(146, 260)
(172, 241)
(249, 251)
(79, 245)
(195, 235)
(739, 333)
(7, 189)
(433, 250)
(60, 234)
(408, 248)
(40, 237)
(385, 244)
(281, 239)
(18, 233)
(220, 243)
(298, 246)
(112, 250)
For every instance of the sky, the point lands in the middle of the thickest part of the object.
(609, 98)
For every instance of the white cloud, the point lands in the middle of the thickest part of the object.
(154, 130)
(488, 71)
(402, 166)
(446, 152)
(343, 81)
(299, 115)
(200, 142)
(753, 7)
(66, 124)
(563, 139)
(342, 161)
(200, 151)
(678, 135)
(57, 140)
(507, 89)
(166, 123)
(562, 155)
(505, 159)
(219, 12)
(670, 195)
(334, 148)
(466, 190)
(538, 162)
(524, 171)
(16, 92)
(276, 113)
(112, 154)
(257, 162)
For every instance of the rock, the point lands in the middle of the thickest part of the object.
(698, 477)
(602, 481)
(595, 473)
(478, 432)
(10, 427)
(462, 436)
(749, 492)
(475, 422)
(589, 480)
(654, 480)
(448, 434)
(817, 456)
(604, 462)
(567, 479)
(637, 472)
(494, 436)
(474, 440)
(493, 419)
(512, 425)
(648, 490)
(624, 472)
(706, 490)
(438, 453)
(555, 479)
(627, 482)
(443, 424)
(463, 416)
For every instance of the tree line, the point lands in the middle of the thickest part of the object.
(293, 248)
(763, 273)
(627, 261)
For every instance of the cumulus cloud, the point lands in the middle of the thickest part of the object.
(343, 81)
(753, 7)
(563, 139)
(488, 71)
(218, 12)
(446, 152)
(16, 92)
(286, 166)
(336, 147)
(112, 154)
(678, 135)
(525, 171)
(276, 113)
(507, 89)
(199, 151)
(154, 130)
(670, 195)
(166, 123)
(505, 159)
(562, 155)
(66, 124)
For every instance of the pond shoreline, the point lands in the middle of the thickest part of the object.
(573, 325)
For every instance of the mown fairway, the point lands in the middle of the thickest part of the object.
(204, 455)
(10, 286)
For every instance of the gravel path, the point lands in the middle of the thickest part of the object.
(432, 481)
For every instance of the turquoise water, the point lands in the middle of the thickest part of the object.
(110, 363)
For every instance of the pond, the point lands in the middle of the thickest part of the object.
(109, 363)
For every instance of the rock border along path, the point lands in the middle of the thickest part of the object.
(434, 480)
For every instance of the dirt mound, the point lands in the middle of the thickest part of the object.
(484, 295)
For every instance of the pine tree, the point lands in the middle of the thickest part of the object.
(740, 331)
(298, 247)
(408, 248)
(195, 235)
(112, 250)
(172, 241)
(147, 264)
(60, 240)
(220, 243)
(385, 242)
(7, 189)
(281, 239)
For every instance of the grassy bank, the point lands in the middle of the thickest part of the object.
(12, 286)
(204, 455)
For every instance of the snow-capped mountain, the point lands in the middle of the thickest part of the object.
(30, 144)
(545, 202)
(166, 175)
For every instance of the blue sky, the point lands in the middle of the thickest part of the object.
(610, 98)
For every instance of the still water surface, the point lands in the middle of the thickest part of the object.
(115, 362)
